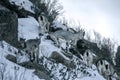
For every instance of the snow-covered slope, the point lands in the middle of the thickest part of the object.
(10, 70)
(29, 29)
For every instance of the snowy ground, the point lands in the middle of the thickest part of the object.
(47, 47)
(28, 28)
(10, 70)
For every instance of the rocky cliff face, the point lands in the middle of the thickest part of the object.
(21, 11)
(8, 25)
(118, 61)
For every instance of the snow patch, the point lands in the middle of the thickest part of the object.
(28, 28)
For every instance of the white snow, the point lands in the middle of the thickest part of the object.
(90, 78)
(28, 28)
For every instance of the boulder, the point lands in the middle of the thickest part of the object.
(21, 12)
(42, 75)
(118, 57)
(103, 53)
(117, 67)
(8, 26)
(59, 58)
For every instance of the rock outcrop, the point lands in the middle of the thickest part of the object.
(8, 25)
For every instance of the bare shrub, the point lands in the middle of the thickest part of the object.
(51, 9)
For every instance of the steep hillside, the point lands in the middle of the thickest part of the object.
(57, 70)
(47, 49)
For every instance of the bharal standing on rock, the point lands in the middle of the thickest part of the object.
(67, 36)
(88, 58)
(105, 69)
(43, 24)
(31, 47)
